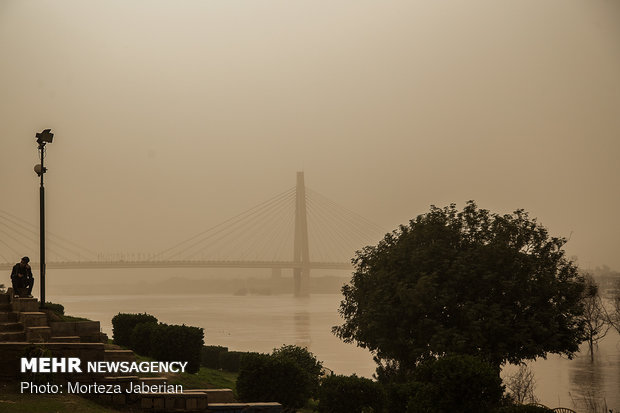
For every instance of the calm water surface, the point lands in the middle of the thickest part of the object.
(243, 323)
(261, 323)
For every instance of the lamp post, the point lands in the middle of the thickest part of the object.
(42, 138)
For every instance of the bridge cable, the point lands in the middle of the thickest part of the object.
(328, 232)
(49, 234)
(244, 227)
(233, 222)
(240, 226)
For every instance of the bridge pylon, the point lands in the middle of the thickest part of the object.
(301, 249)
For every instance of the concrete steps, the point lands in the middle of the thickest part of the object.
(33, 319)
(13, 336)
(12, 350)
(21, 323)
(25, 305)
(66, 339)
(245, 407)
(38, 334)
(87, 331)
(169, 402)
(11, 327)
(8, 316)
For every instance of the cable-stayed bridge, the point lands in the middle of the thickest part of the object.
(298, 229)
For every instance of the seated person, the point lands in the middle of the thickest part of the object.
(22, 278)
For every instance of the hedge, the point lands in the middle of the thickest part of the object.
(123, 325)
(141, 339)
(178, 343)
(265, 378)
(210, 356)
(231, 360)
(350, 394)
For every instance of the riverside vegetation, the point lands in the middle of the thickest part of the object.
(442, 303)
(292, 376)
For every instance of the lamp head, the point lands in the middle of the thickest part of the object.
(40, 170)
(45, 137)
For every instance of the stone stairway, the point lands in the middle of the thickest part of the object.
(22, 324)
(21, 320)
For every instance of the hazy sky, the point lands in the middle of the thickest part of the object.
(171, 116)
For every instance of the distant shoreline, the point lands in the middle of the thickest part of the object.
(187, 286)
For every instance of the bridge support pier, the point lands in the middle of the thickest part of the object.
(301, 250)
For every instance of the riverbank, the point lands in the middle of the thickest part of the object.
(12, 401)
(262, 323)
(193, 286)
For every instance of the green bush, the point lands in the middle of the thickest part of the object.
(398, 395)
(455, 383)
(123, 325)
(350, 394)
(178, 343)
(141, 340)
(210, 356)
(523, 408)
(306, 360)
(265, 378)
(56, 308)
(231, 360)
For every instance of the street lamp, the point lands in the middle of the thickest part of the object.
(42, 138)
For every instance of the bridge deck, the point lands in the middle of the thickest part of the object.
(189, 264)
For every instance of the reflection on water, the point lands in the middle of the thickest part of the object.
(302, 329)
(595, 385)
(580, 384)
(243, 323)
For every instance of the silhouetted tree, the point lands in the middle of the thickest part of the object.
(597, 321)
(471, 282)
(521, 385)
(614, 315)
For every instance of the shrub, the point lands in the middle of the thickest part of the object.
(306, 360)
(455, 383)
(123, 324)
(265, 378)
(141, 339)
(231, 360)
(398, 395)
(178, 343)
(209, 356)
(56, 308)
(350, 394)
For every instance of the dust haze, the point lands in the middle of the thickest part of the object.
(170, 117)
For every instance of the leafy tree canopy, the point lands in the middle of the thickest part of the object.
(290, 375)
(473, 282)
(304, 359)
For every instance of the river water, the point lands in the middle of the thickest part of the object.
(261, 323)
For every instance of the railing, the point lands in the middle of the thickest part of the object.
(556, 410)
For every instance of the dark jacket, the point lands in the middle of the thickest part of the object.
(26, 275)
